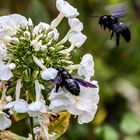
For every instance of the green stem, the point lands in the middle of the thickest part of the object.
(31, 128)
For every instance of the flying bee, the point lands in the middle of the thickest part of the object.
(112, 22)
(64, 79)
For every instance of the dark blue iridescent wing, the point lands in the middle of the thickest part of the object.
(85, 83)
(117, 10)
(120, 14)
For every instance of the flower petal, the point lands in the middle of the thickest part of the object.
(86, 67)
(9, 105)
(75, 24)
(42, 26)
(49, 73)
(5, 122)
(77, 39)
(5, 72)
(66, 9)
(21, 106)
(36, 108)
(38, 62)
(3, 51)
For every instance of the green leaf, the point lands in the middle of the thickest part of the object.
(132, 138)
(110, 133)
(106, 132)
(7, 135)
(59, 126)
(19, 116)
(129, 124)
(10, 90)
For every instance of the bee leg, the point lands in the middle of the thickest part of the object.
(104, 28)
(57, 88)
(112, 34)
(117, 39)
(100, 25)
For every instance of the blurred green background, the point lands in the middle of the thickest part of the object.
(117, 69)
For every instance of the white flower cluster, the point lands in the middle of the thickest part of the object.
(29, 58)
(84, 105)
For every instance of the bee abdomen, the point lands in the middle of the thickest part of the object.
(72, 86)
(126, 34)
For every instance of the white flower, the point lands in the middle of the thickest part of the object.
(9, 39)
(75, 28)
(66, 10)
(86, 67)
(24, 24)
(37, 107)
(75, 24)
(36, 44)
(49, 73)
(46, 73)
(5, 122)
(16, 19)
(10, 23)
(54, 34)
(30, 22)
(19, 105)
(5, 71)
(77, 39)
(59, 100)
(3, 51)
(42, 26)
(84, 105)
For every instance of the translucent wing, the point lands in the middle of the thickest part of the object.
(118, 10)
(85, 83)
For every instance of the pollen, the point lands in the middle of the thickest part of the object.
(77, 98)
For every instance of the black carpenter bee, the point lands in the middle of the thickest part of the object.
(112, 23)
(64, 79)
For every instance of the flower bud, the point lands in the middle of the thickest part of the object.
(51, 48)
(68, 62)
(8, 99)
(14, 40)
(43, 48)
(50, 35)
(30, 22)
(12, 66)
(27, 34)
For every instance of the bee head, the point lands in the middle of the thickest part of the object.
(103, 20)
(64, 74)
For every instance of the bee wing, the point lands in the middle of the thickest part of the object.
(85, 83)
(118, 10)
